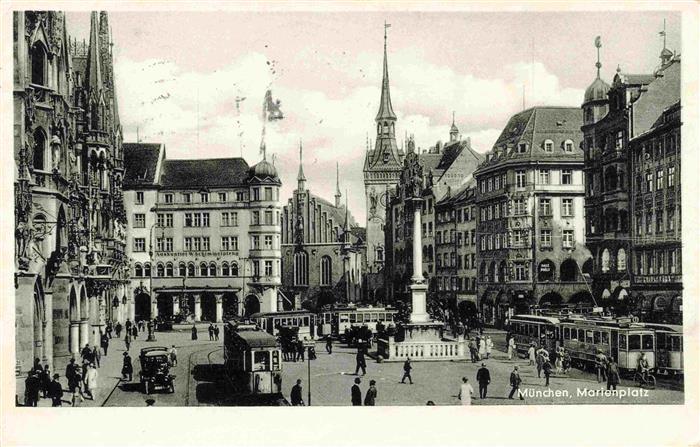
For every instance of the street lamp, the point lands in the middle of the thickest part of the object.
(151, 334)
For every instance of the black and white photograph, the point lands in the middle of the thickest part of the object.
(348, 207)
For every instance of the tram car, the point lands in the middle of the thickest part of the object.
(535, 329)
(343, 319)
(622, 340)
(669, 348)
(271, 322)
(252, 360)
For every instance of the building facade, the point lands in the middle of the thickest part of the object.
(204, 236)
(655, 196)
(71, 272)
(530, 216)
(323, 250)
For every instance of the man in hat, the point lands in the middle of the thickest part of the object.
(360, 361)
(407, 371)
(356, 393)
(31, 389)
(55, 392)
(483, 376)
(515, 382)
(371, 395)
(296, 395)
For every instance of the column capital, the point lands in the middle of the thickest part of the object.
(219, 297)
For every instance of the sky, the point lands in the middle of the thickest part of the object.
(178, 75)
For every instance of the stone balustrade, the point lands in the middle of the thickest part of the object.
(391, 350)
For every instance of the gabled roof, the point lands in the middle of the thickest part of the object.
(140, 164)
(337, 214)
(204, 173)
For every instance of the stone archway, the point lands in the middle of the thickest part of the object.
(551, 299)
(142, 306)
(230, 306)
(208, 304)
(251, 305)
(74, 319)
(165, 305)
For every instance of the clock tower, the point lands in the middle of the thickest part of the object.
(382, 170)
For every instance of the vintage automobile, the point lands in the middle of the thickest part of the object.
(155, 370)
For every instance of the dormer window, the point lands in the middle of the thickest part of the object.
(522, 148)
(386, 157)
(568, 146)
(548, 145)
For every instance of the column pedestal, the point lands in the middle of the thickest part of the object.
(219, 308)
(74, 336)
(419, 313)
(84, 333)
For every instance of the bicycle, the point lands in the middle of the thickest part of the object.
(645, 379)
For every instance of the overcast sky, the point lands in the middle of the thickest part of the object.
(178, 75)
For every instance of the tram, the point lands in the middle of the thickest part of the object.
(344, 318)
(540, 330)
(271, 322)
(252, 360)
(669, 348)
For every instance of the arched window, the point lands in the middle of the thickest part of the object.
(493, 273)
(621, 260)
(203, 269)
(568, 271)
(224, 269)
(182, 269)
(212, 269)
(138, 270)
(160, 270)
(301, 268)
(147, 269)
(605, 261)
(326, 271)
(503, 269)
(94, 116)
(484, 272)
(38, 55)
(545, 270)
(169, 270)
(234, 269)
(39, 159)
(190, 269)
(380, 254)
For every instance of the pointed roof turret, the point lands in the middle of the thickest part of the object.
(94, 74)
(598, 90)
(454, 132)
(338, 195)
(386, 111)
(300, 176)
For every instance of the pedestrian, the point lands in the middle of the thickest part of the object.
(483, 377)
(104, 342)
(539, 362)
(566, 362)
(559, 360)
(37, 368)
(128, 325)
(601, 366)
(127, 341)
(329, 344)
(194, 332)
(216, 332)
(56, 392)
(515, 382)
(296, 395)
(96, 355)
(86, 353)
(300, 349)
(531, 355)
(371, 395)
(477, 345)
(472, 350)
(45, 381)
(613, 374)
(91, 381)
(511, 348)
(135, 332)
(75, 386)
(108, 330)
(173, 356)
(482, 348)
(547, 368)
(31, 389)
(118, 329)
(356, 393)
(211, 332)
(70, 368)
(360, 361)
(407, 367)
(489, 346)
(312, 351)
(127, 368)
(465, 392)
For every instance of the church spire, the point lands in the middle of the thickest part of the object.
(386, 112)
(301, 179)
(93, 62)
(338, 195)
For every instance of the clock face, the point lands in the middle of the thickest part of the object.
(383, 199)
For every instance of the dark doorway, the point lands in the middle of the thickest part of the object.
(252, 305)
(230, 306)
(165, 306)
(142, 307)
(208, 304)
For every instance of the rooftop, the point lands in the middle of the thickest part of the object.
(140, 163)
(203, 173)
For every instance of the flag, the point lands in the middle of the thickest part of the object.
(272, 108)
(597, 42)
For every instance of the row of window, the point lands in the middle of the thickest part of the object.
(204, 269)
(267, 193)
(519, 207)
(658, 262)
(521, 239)
(202, 243)
(657, 149)
(656, 221)
(467, 237)
(446, 260)
(655, 182)
(544, 177)
(465, 214)
(456, 284)
(228, 219)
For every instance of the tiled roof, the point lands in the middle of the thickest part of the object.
(449, 154)
(637, 79)
(661, 94)
(201, 173)
(429, 161)
(140, 163)
(337, 214)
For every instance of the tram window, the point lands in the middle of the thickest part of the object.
(596, 337)
(374, 317)
(647, 341)
(622, 342)
(581, 335)
(676, 344)
(344, 318)
(589, 337)
(604, 338)
(567, 333)
(306, 321)
(660, 340)
(353, 318)
(381, 317)
(556, 333)
(260, 360)
(635, 342)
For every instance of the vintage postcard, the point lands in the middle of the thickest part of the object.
(324, 206)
